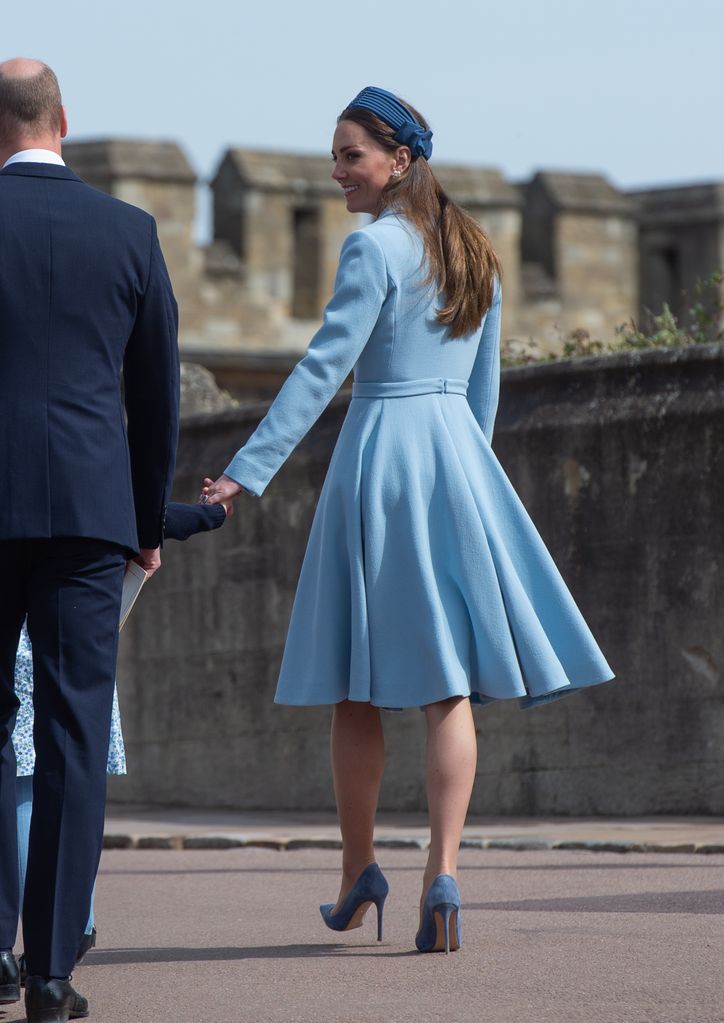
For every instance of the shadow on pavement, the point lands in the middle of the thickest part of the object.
(706, 903)
(120, 956)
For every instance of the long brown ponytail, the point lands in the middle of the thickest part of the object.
(460, 257)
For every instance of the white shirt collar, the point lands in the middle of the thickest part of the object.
(35, 156)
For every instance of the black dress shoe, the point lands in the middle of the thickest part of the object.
(87, 943)
(53, 1001)
(9, 979)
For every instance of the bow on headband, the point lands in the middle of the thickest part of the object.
(408, 130)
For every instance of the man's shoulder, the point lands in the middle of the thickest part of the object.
(95, 204)
(113, 207)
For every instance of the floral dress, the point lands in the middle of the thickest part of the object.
(23, 733)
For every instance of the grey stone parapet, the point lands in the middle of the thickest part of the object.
(581, 193)
(684, 205)
(479, 187)
(309, 174)
(280, 172)
(107, 160)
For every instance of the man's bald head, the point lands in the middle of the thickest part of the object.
(30, 103)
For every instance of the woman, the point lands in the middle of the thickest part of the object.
(424, 581)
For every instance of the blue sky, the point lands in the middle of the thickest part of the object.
(627, 87)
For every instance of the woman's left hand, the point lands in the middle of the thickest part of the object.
(220, 491)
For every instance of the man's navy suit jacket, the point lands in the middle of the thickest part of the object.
(85, 302)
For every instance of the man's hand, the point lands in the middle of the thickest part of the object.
(149, 559)
(221, 491)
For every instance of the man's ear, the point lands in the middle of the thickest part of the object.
(63, 123)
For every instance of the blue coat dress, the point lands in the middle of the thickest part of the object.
(424, 577)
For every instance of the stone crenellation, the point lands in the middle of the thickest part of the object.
(577, 252)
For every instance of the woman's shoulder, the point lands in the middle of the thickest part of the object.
(392, 233)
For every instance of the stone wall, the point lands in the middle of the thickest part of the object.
(577, 253)
(208, 283)
(580, 259)
(621, 465)
(284, 217)
(681, 242)
(279, 222)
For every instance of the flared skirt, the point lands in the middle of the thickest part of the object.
(424, 576)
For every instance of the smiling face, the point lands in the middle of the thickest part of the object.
(363, 167)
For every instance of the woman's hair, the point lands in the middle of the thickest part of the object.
(460, 256)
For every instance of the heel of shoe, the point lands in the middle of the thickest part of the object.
(50, 1016)
(88, 941)
(380, 904)
(9, 993)
(448, 914)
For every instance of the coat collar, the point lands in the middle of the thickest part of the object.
(40, 170)
(390, 211)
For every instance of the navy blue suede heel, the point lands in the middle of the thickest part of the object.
(440, 924)
(370, 887)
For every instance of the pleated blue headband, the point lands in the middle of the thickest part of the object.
(408, 131)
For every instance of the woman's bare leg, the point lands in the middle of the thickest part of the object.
(452, 753)
(358, 760)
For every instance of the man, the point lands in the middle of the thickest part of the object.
(85, 301)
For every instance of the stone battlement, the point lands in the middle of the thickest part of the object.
(577, 252)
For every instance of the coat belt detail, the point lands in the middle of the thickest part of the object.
(408, 388)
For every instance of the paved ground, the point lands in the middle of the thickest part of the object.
(234, 936)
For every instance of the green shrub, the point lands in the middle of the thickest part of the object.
(702, 323)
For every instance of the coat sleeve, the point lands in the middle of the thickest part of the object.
(484, 385)
(184, 520)
(151, 378)
(349, 318)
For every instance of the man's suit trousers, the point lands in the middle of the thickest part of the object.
(70, 590)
